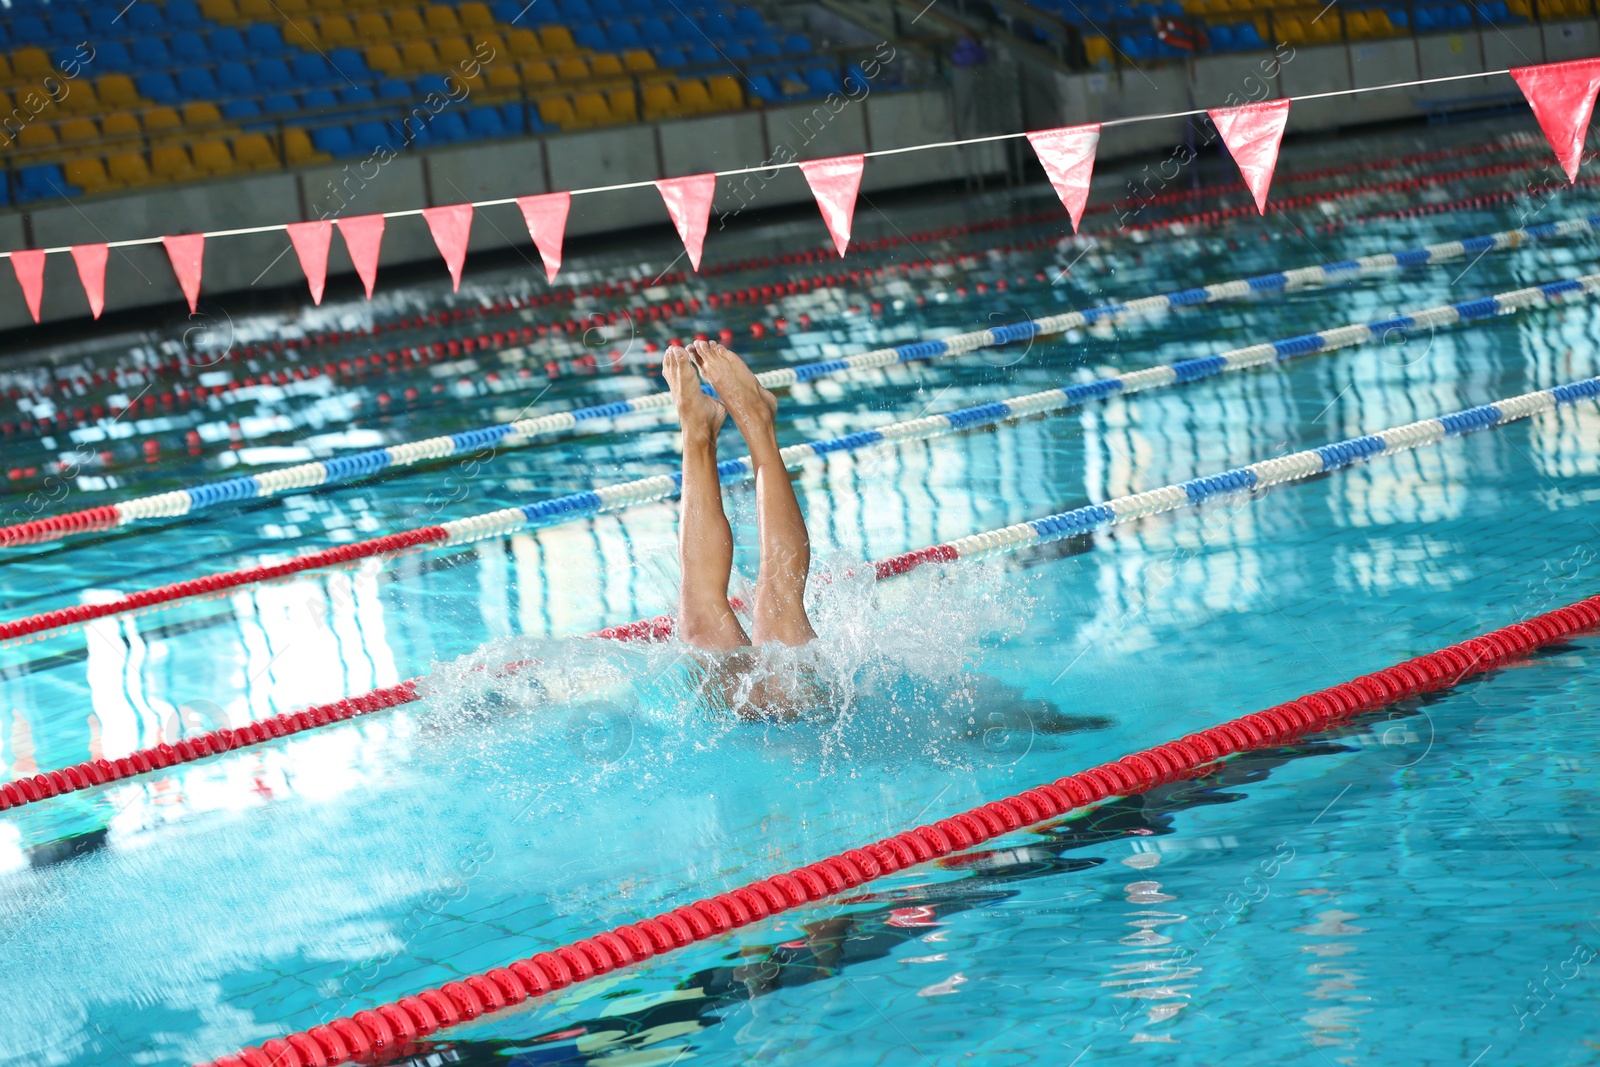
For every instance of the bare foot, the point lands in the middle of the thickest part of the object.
(700, 415)
(746, 400)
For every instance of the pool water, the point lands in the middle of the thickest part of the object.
(1413, 888)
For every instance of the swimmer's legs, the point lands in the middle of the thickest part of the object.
(779, 611)
(705, 541)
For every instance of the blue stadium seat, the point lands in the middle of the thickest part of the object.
(703, 55)
(654, 32)
(196, 83)
(240, 110)
(318, 98)
(669, 57)
(112, 57)
(431, 83)
(263, 39)
(103, 20)
(157, 85)
(183, 15)
(188, 47)
(279, 104)
(485, 122)
(762, 88)
(609, 9)
(767, 48)
(29, 29)
(514, 117)
(507, 11)
(371, 136)
(234, 79)
(574, 10)
(748, 20)
(68, 26)
(43, 181)
(447, 128)
(349, 63)
(625, 35)
(356, 94)
(144, 18)
(737, 51)
(151, 52)
(683, 31)
(1245, 37)
(797, 44)
(590, 35)
(1221, 38)
(718, 27)
(311, 69)
(227, 43)
(823, 81)
(394, 89)
(272, 73)
(334, 140)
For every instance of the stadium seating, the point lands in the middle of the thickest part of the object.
(183, 90)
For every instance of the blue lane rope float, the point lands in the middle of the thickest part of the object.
(660, 486)
(368, 463)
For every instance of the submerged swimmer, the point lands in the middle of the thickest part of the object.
(706, 619)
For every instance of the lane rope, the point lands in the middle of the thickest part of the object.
(374, 462)
(384, 1032)
(1277, 471)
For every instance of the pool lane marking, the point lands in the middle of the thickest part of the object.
(1276, 471)
(372, 462)
(657, 487)
(382, 1032)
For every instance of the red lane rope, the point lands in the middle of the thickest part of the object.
(385, 1032)
(215, 583)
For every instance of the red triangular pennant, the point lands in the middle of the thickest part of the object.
(689, 203)
(1252, 133)
(363, 237)
(29, 265)
(835, 182)
(451, 227)
(311, 240)
(1067, 154)
(186, 253)
(546, 216)
(91, 261)
(1562, 98)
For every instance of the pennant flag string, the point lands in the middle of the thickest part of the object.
(835, 183)
(311, 241)
(451, 228)
(688, 201)
(91, 263)
(1253, 133)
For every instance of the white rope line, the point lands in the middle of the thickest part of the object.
(619, 187)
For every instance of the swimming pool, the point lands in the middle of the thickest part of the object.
(1407, 889)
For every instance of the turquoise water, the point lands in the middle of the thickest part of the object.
(1412, 889)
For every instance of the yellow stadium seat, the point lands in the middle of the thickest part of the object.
(161, 121)
(116, 90)
(572, 69)
(30, 63)
(129, 168)
(419, 57)
(171, 163)
(659, 101)
(298, 150)
(384, 59)
(725, 93)
(37, 135)
(201, 114)
(252, 151)
(257, 11)
(557, 111)
(327, 7)
(302, 34)
(291, 9)
(638, 61)
(77, 131)
(525, 44)
(89, 175)
(454, 51)
(503, 81)
(371, 26)
(220, 10)
(537, 73)
(476, 16)
(5, 68)
(493, 46)
(624, 105)
(557, 40)
(605, 66)
(80, 99)
(441, 19)
(693, 98)
(407, 23)
(336, 31)
(591, 109)
(213, 158)
(120, 124)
